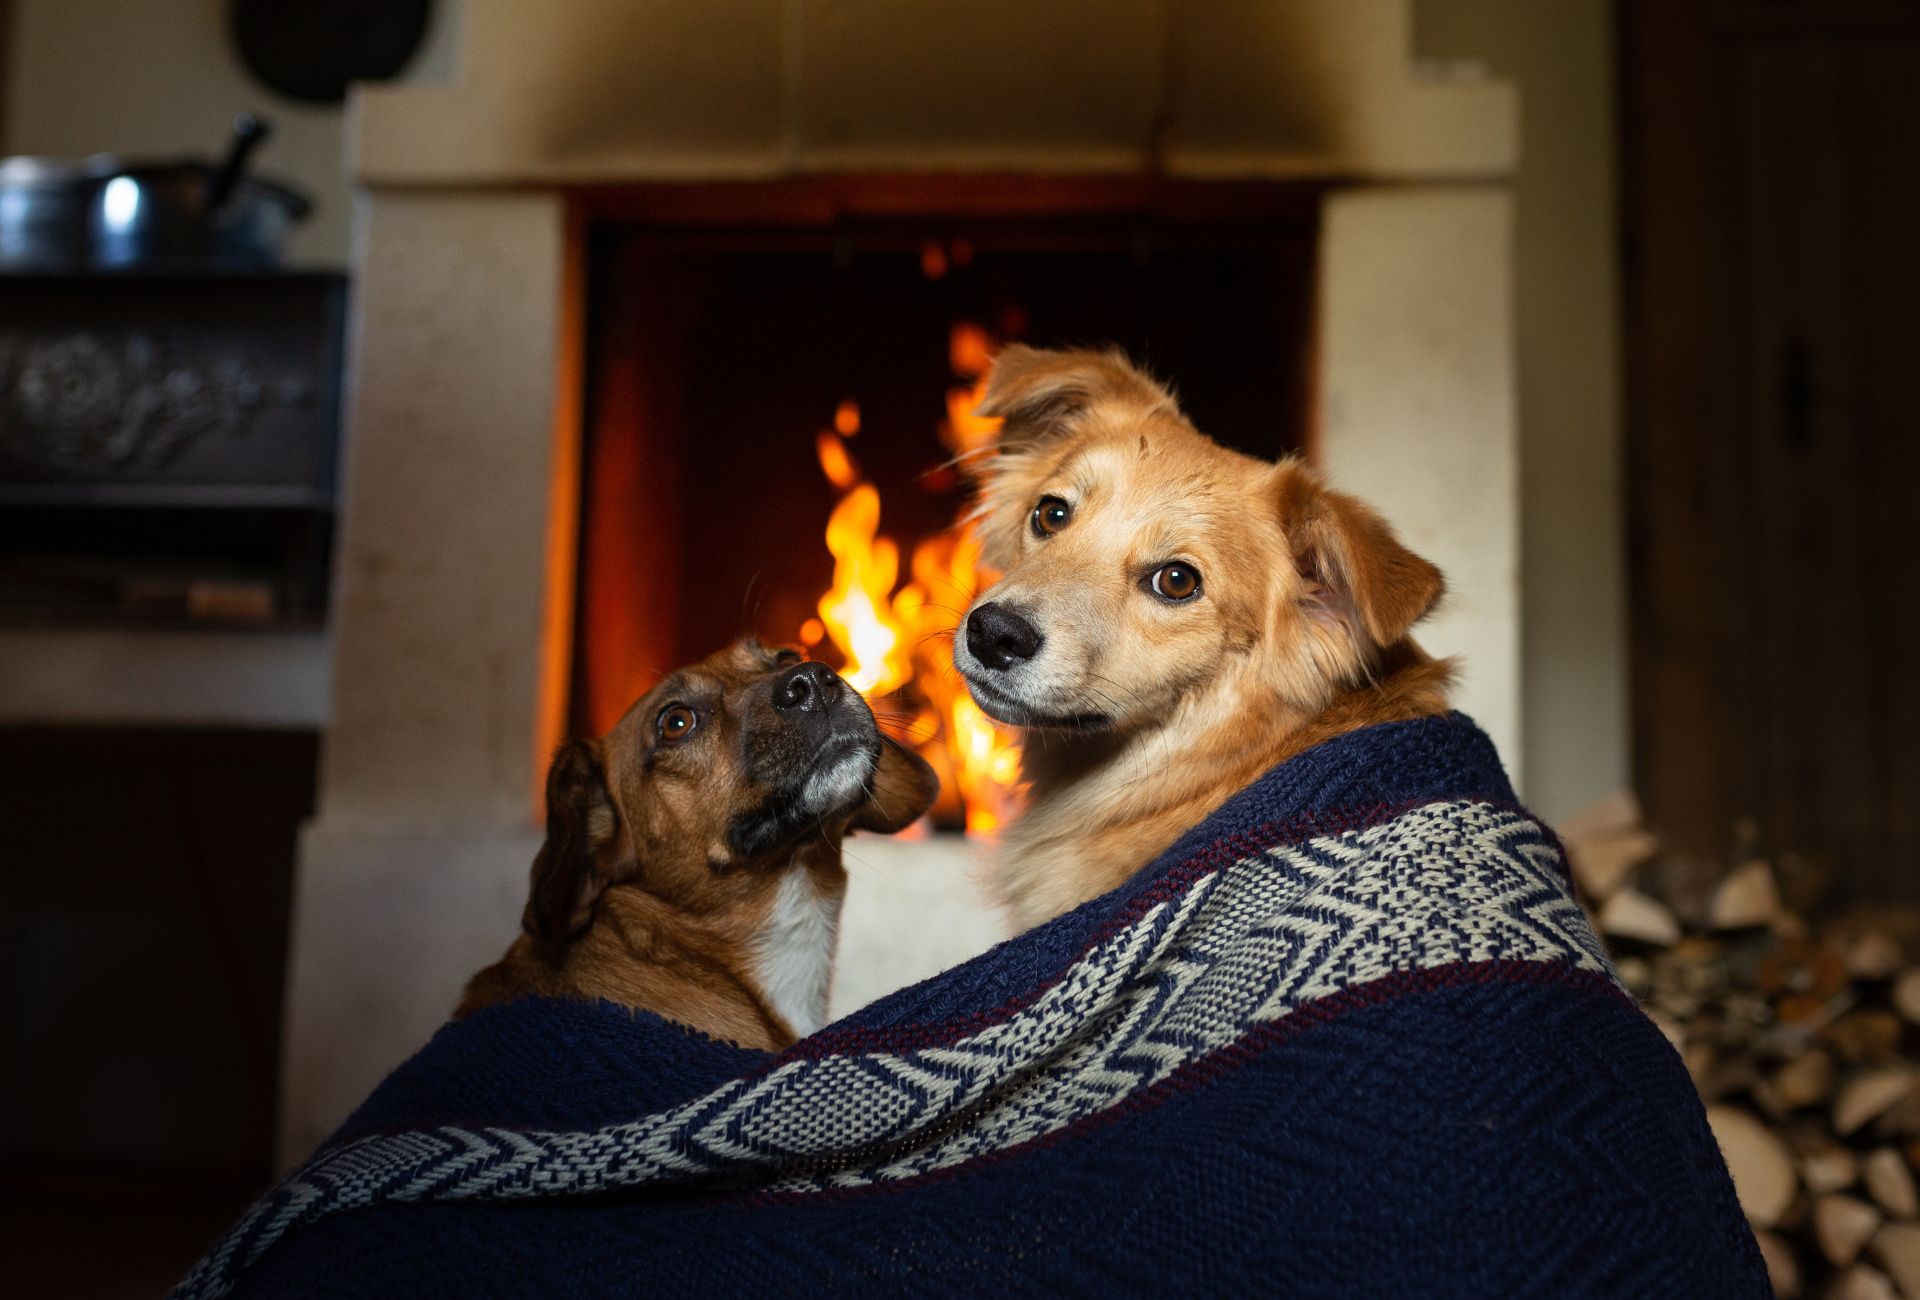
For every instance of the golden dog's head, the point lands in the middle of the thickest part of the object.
(1145, 565)
(713, 779)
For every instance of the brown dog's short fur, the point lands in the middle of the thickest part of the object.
(1146, 712)
(698, 876)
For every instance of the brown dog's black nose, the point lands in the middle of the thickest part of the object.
(1000, 638)
(808, 687)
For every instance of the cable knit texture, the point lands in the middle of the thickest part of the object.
(1350, 1036)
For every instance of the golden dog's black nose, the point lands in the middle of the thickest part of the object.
(1000, 638)
(808, 688)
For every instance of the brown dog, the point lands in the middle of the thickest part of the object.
(692, 862)
(1174, 619)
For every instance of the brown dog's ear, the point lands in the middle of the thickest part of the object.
(575, 864)
(904, 787)
(1359, 576)
(1039, 393)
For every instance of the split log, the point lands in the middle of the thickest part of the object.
(1746, 898)
(1636, 973)
(1783, 1264)
(1602, 866)
(1906, 996)
(1890, 1183)
(1843, 1225)
(1874, 955)
(1763, 1173)
(1902, 1120)
(1605, 842)
(1862, 1282)
(1617, 814)
(1870, 1095)
(1897, 1248)
(1806, 1080)
(1630, 914)
(1829, 1168)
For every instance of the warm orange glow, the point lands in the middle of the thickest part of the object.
(933, 261)
(836, 462)
(893, 640)
(969, 349)
(846, 418)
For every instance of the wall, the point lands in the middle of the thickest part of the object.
(159, 79)
(1573, 595)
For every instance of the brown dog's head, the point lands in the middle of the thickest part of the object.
(1144, 564)
(718, 775)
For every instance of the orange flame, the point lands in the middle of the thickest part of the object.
(891, 641)
(856, 610)
(836, 462)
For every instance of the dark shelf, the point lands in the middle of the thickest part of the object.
(195, 270)
(184, 496)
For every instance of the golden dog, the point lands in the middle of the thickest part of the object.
(1173, 619)
(692, 861)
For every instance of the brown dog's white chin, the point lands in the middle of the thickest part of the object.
(838, 781)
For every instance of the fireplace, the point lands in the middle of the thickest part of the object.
(761, 358)
(615, 282)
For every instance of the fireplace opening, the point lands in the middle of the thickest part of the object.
(761, 361)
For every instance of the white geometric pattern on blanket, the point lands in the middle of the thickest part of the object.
(1444, 883)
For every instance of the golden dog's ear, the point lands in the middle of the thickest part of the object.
(904, 787)
(581, 855)
(1040, 393)
(1359, 576)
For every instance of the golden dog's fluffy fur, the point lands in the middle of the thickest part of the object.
(1146, 713)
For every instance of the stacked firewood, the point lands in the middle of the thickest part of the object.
(1802, 1041)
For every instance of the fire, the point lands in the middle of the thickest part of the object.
(856, 609)
(899, 641)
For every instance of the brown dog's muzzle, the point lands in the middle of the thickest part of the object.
(811, 744)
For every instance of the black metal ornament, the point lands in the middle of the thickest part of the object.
(309, 50)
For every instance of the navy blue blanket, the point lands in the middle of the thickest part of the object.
(1350, 1036)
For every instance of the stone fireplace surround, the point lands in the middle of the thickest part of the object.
(453, 613)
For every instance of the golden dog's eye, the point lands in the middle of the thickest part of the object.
(1050, 516)
(1175, 582)
(677, 722)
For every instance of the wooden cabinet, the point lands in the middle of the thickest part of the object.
(1772, 167)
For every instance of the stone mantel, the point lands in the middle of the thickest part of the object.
(571, 91)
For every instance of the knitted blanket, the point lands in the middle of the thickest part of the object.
(1350, 1036)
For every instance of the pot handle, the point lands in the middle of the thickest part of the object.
(249, 133)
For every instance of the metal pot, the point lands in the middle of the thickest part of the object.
(43, 213)
(193, 210)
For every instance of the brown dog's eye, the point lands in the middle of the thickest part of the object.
(1175, 582)
(677, 722)
(1050, 516)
